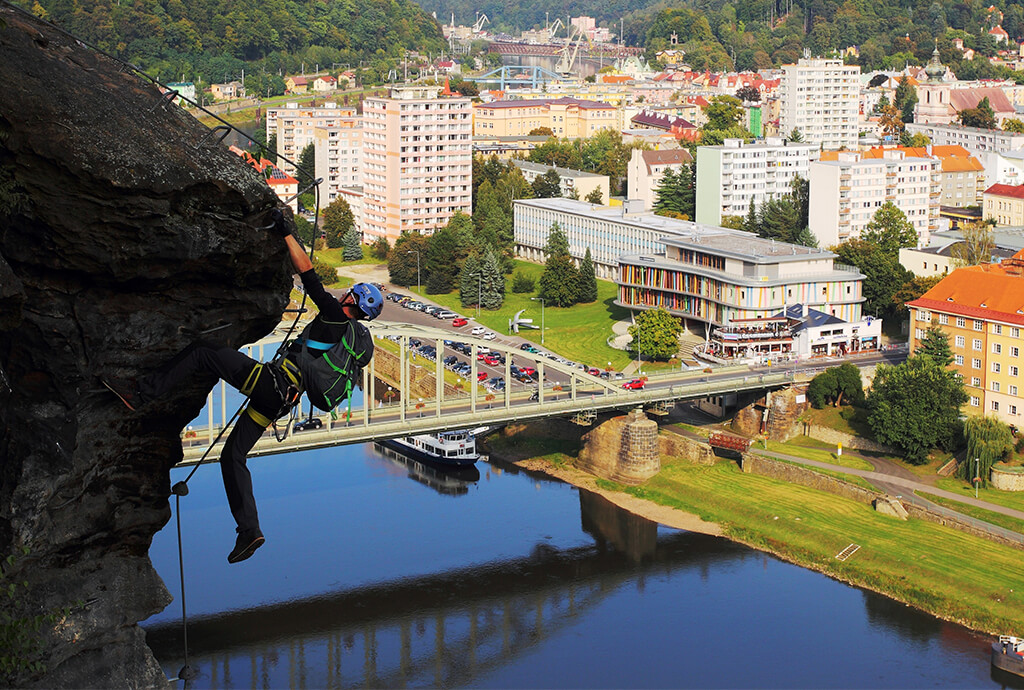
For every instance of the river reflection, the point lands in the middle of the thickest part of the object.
(507, 579)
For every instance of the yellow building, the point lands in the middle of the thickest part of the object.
(570, 118)
(1004, 203)
(981, 309)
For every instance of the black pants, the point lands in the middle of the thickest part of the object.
(265, 400)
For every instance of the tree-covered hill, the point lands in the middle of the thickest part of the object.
(215, 39)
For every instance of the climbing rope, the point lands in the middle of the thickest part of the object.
(215, 135)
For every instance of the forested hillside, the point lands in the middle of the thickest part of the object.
(215, 39)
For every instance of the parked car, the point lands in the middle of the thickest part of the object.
(444, 314)
(529, 371)
(308, 424)
(459, 321)
(490, 335)
(634, 385)
(395, 296)
(414, 342)
(594, 371)
(478, 330)
(451, 360)
(491, 361)
(525, 347)
(481, 376)
(430, 309)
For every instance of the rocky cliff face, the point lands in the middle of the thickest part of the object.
(124, 233)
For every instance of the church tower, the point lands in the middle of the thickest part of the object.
(933, 95)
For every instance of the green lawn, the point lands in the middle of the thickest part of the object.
(1007, 499)
(579, 333)
(811, 449)
(948, 573)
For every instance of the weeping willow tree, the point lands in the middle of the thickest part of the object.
(988, 442)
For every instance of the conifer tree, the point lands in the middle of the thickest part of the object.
(588, 280)
(492, 285)
(470, 283)
(353, 247)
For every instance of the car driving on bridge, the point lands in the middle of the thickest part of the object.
(634, 385)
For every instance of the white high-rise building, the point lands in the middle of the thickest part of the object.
(731, 175)
(847, 189)
(417, 161)
(820, 98)
(339, 153)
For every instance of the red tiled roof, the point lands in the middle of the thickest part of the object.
(965, 99)
(989, 291)
(1015, 191)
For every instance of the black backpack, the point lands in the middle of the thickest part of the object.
(328, 376)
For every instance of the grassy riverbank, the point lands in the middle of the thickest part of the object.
(947, 573)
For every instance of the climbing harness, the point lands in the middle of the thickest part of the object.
(290, 393)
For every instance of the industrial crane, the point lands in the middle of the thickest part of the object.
(555, 26)
(571, 50)
(481, 19)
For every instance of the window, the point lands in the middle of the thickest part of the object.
(1013, 371)
(996, 368)
(961, 341)
(976, 344)
(1013, 391)
(979, 325)
(959, 360)
(943, 319)
(976, 381)
(975, 402)
(961, 322)
(976, 363)
(1014, 332)
(995, 406)
(1014, 351)
(997, 349)
(997, 328)
(995, 386)
(1012, 409)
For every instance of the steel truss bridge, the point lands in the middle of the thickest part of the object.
(562, 390)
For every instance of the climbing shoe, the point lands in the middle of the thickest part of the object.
(246, 545)
(127, 390)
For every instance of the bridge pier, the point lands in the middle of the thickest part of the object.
(623, 449)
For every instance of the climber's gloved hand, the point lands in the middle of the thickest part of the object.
(278, 224)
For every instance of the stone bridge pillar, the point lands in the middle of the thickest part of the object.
(623, 449)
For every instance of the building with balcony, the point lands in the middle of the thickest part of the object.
(295, 128)
(575, 184)
(1000, 153)
(566, 117)
(820, 97)
(339, 156)
(732, 175)
(981, 310)
(848, 187)
(417, 161)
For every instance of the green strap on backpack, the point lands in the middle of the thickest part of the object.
(328, 376)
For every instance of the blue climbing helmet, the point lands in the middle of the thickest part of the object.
(368, 299)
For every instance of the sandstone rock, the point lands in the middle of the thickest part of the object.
(121, 238)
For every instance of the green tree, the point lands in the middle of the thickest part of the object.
(676, 193)
(493, 281)
(905, 99)
(557, 243)
(976, 247)
(883, 274)
(915, 406)
(380, 249)
(307, 160)
(988, 441)
(915, 140)
(890, 230)
(935, 344)
(981, 116)
(594, 197)
(1013, 124)
(353, 246)
(402, 260)
(337, 219)
(588, 280)
(470, 282)
(548, 185)
(559, 283)
(834, 385)
(443, 259)
(724, 112)
(795, 136)
(304, 231)
(522, 283)
(327, 274)
(655, 334)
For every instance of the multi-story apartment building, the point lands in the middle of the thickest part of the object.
(820, 98)
(999, 152)
(295, 127)
(961, 175)
(566, 117)
(731, 175)
(574, 184)
(646, 169)
(717, 276)
(417, 161)
(981, 310)
(1004, 204)
(339, 154)
(848, 187)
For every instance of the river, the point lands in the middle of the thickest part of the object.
(378, 575)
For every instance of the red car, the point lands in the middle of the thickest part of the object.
(459, 321)
(492, 361)
(529, 371)
(593, 371)
(481, 376)
(634, 385)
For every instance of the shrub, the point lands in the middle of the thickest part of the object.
(522, 283)
(327, 274)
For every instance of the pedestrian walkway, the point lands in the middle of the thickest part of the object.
(895, 482)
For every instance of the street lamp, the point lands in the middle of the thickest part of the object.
(977, 475)
(417, 252)
(479, 291)
(541, 300)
